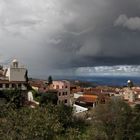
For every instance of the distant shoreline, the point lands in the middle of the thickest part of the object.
(99, 80)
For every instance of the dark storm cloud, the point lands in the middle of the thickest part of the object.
(49, 34)
(92, 38)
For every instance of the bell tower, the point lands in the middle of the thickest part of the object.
(15, 63)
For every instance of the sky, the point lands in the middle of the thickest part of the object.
(71, 37)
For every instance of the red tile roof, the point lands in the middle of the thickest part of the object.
(87, 98)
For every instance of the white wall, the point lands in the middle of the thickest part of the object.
(31, 98)
(17, 74)
(79, 109)
(77, 95)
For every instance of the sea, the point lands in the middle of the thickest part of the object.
(103, 80)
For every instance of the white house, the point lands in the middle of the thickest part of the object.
(16, 72)
(13, 77)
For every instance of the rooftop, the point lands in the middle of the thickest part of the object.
(87, 98)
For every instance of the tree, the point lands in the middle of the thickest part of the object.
(136, 122)
(47, 98)
(14, 98)
(27, 123)
(50, 80)
(26, 76)
(65, 115)
(113, 121)
(49, 122)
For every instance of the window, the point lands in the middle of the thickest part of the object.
(19, 85)
(65, 101)
(13, 85)
(63, 93)
(1, 85)
(57, 86)
(7, 85)
(59, 93)
(66, 86)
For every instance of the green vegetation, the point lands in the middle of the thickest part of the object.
(39, 123)
(36, 95)
(47, 98)
(50, 80)
(13, 98)
(136, 122)
(115, 120)
(112, 121)
(26, 76)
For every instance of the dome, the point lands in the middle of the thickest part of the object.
(15, 60)
(15, 63)
(129, 81)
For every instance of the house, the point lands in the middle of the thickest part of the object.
(39, 85)
(60, 88)
(77, 95)
(15, 76)
(63, 91)
(79, 109)
(87, 101)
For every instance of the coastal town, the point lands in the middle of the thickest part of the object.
(55, 109)
(70, 93)
(69, 70)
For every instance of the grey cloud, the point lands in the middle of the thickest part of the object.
(87, 48)
(126, 70)
(132, 23)
(59, 34)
